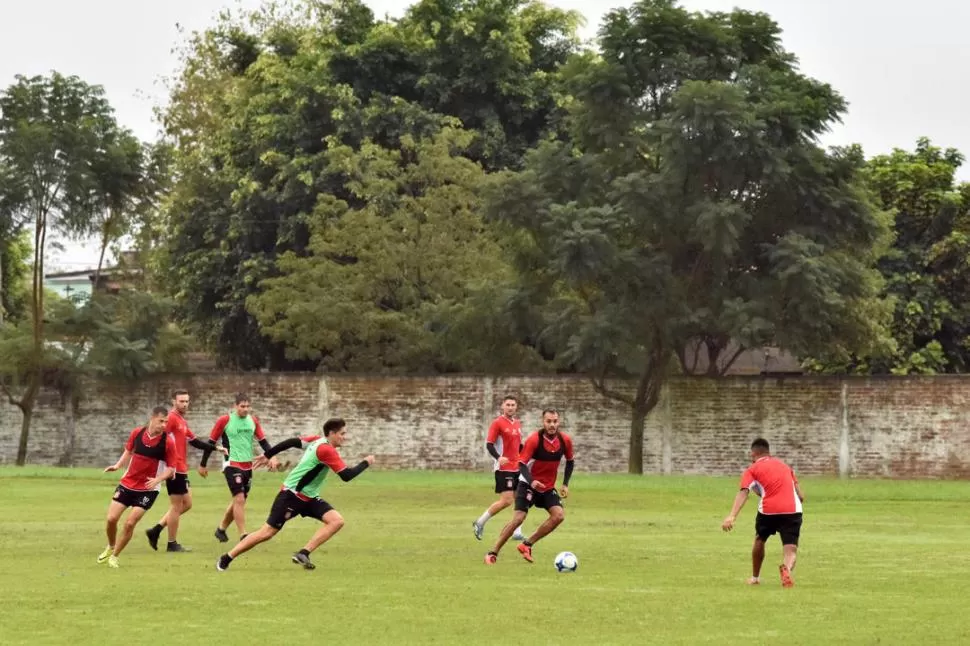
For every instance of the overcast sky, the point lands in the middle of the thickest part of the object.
(901, 65)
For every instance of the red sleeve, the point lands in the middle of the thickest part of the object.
(329, 456)
(306, 439)
(219, 428)
(130, 444)
(748, 478)
(189, 435)
(568, 443)
(493, 432)
(259, 429)
(529, 448)
(171, 450)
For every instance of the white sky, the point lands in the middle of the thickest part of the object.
(900, 65)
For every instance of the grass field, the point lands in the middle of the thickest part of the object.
(881, 563)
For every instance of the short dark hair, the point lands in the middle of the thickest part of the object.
(179, 391)
(159, 410)
(510, 398)
(242, 397)
(548, 411)
(760, 445)
(333, 425)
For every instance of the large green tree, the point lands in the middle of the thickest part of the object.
(692, 203)
(387, 283)
(927, 276)
(261, 101)
(59, 156)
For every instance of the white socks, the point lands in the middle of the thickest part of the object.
(483, 519)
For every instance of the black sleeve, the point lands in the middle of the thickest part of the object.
(524, 470)
(492, 451)
(292, 443)
(350, 473)
(568, 473)
(265, 444)
(206, 446)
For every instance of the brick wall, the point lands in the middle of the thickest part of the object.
(878, 427)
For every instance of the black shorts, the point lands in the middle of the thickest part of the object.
(239, 480)
(287, 505)
(787, 526)
(131, 498)
(506, 481)
(526, 497)
(177, 486)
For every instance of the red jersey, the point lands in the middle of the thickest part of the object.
(506, 435)
(150, 457)
(220, 428)
(179, 429)
(776, 482)
(543, 453)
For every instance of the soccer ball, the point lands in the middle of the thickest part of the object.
(566, 562)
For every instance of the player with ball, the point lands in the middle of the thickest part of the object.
(538, 469)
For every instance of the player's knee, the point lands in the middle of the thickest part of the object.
(334, 519)
(557, 515)
(130, 524)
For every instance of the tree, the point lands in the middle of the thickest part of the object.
(54, 132)
(927, 276)
(693, 203)
(385, 279)
(260, 100)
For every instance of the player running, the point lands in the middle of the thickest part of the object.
(503, 443)
(152, 454)
(300, 494)
(538, 468)
(779, 510)
(179, 491)
(237, 430)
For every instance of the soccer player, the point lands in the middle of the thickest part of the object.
(779, 510)
(237, 430)
(503, 442)
(300, 494)
(538, 468)
(151, 452)
(179, 492)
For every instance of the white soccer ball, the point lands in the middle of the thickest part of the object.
(566, 562)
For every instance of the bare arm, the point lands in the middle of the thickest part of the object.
(799, 493)
(122, 461)
(739, 501)
(168, 474)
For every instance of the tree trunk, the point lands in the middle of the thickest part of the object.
(28, 411)
(3, 308)
(637, 425)
(70, 435)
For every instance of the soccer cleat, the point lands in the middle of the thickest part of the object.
(177, 547)
(491, 558)
(105, 554)
(786, 580)
(153, 535)
(223, 563)
(479, 530)
(302, 559)
(754, 581)
(525, 551)
(221, 535)
(113, 561)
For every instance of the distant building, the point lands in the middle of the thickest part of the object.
(79, 285)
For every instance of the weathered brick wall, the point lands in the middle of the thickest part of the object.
(883, 427)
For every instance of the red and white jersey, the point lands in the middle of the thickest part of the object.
(150, 456)
(506, 434)
(776, 482)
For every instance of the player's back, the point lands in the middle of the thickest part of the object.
(776, 482)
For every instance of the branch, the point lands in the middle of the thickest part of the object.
(13, 402)
(600, 386)
(723, 371)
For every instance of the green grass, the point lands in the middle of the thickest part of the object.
(882, 562)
